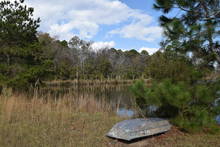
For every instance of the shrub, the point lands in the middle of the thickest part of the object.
(189, 107)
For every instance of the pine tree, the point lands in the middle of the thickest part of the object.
(17, 26)
(22, 62)
(195, 28)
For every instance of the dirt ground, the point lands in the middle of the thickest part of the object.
(172, 138)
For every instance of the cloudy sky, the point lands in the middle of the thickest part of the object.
(123, 24)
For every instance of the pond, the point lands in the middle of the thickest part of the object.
(218, 119)
(118, 96)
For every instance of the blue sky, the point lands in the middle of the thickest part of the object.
(123, 24)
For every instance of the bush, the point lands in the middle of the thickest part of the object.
(189, 107)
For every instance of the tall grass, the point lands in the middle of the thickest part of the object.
(70, 121)
(64, 121)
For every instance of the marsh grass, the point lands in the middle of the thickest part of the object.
(70, 121)
(67, 121)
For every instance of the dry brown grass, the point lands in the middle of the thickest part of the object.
(66, 121)
(69, 121)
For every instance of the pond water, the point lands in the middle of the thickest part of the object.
(118, 96)
(218, 119)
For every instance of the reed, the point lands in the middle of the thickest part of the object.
(63, 121)
(69, 121)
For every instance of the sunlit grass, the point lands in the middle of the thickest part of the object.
(64, 122)
(69, 121)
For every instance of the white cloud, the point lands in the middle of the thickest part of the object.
(66, 18)
(102, 45)
(149, 50)
(139, 31)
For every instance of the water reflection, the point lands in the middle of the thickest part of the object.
(119, 97)
(218, 119)
(125, 112)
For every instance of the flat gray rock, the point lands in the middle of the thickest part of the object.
(137, 128)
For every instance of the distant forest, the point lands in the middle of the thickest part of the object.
(28, 57)
(77, 59)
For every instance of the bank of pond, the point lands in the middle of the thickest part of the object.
(70, 120)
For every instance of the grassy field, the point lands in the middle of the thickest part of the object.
(74, 122)
(63, 122)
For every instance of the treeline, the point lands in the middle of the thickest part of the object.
(28, 57)
(47, 58)
(77, 59)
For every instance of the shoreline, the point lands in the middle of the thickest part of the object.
(90, 82)
(36, 122)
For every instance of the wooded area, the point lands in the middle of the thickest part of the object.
(189, 55)
(28, 57)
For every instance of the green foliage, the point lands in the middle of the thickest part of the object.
(190, 50)
(26, 66)
(140, 91)
(17, 26)
(190, 107)
(104, 67)
(23, 60)
(170, 65)
(30, 77)
(196, 30)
